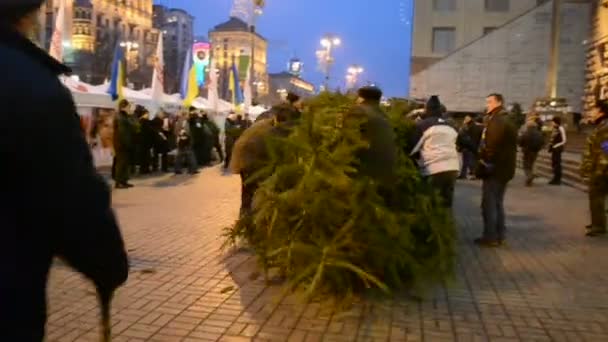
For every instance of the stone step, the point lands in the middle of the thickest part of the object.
(570, 169)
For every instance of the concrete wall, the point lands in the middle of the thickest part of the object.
(513, 61)
(469, 19)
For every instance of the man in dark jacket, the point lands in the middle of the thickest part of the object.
(233, 128)
(124, 145)
(52, 205)
(147, 137)
(531, 141)
(380, 159)
(163, 135)
(497, 161)
(468, 144)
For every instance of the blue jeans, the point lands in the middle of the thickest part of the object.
(493, 209)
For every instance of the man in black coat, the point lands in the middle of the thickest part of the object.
(124, 145)
(54, 204)
(497, 161)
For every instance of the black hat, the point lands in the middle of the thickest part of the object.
(12, 10)
(292, 97)
(370, 93)
(433, 103)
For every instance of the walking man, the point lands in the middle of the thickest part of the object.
(468, 143)
(531, 141)
(53, 205)
(556, 148)
(496, 167)
(594, 169)
(436, 147)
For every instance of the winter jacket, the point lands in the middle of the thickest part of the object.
(379, 161)
(498, 149)
(437, 146)
(531, 139)
(124, 133)
(594, 165)
(53, 203)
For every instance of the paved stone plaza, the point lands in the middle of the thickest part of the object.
(549, 284)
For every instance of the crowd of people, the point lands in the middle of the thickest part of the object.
(143, 144)
(488, 151)
(55, 204)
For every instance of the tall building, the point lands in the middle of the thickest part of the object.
(284, 82)
(232, 39)
(514, 60)
(597, 56)
(93, 29)
(177, 26)
(443, 26)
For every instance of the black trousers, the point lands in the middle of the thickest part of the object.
(529, 160)
(248, 190)
(228, 146)
(556, 164)
(145, 159)
(444, 183)
(160, 152)
(121, 167)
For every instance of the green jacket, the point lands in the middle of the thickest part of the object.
(379, 161)
(595, 158)
(124, 133)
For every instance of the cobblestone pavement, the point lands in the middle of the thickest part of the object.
(549, 284)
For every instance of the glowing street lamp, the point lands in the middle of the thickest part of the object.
(352, 75)
(328, 42)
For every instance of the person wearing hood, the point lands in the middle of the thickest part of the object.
(594, 169)
(53, 205)
(233, 128)
(436, 150)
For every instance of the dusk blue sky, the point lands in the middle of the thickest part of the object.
(375, 35)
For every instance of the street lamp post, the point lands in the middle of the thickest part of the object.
(258, 7)
(129, 46)
(352, 76)
(328, 42)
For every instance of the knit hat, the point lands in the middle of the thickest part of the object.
(433, 107)
(370, 93)
(433, 103)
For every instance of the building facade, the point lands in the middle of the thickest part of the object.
(513, 60)
(177, 26)
(93, 29)
(232, 39)
(443, 26)
(283, 82)
(597, 56)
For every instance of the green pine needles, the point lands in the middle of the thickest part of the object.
(330, 231)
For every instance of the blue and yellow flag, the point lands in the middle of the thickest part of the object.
(118, 75)
(189, 83)
(235, 85)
